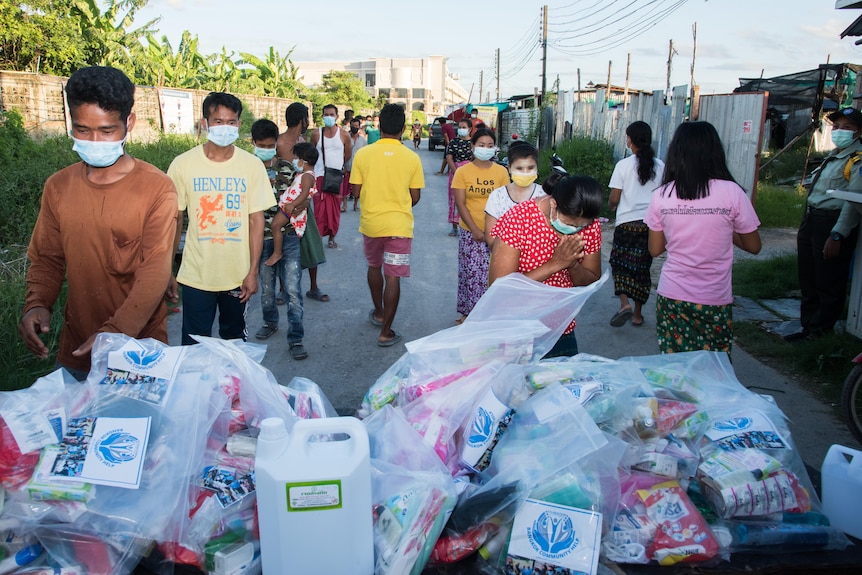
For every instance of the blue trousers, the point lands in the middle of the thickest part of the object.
(290, 272)
(199, 310)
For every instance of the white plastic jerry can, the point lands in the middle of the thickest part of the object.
(841, 485)
(314, 497)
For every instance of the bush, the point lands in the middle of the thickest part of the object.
(585, 157)
(779, 206)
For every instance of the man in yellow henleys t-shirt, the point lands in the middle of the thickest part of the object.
(389, 178)
(225, 190)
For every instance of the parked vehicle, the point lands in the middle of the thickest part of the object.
(435, 134)
(851, 398)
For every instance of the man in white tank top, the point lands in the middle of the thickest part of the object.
(335, 147)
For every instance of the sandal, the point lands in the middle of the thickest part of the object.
(332, 245)
(317, 294)
(621, 317)
(373, 320)
(396, 337)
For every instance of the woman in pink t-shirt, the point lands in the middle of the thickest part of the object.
(556, 240)
(697, 216)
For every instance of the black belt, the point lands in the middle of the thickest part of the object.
(824, 213)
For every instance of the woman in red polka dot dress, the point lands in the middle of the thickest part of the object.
(556, 240)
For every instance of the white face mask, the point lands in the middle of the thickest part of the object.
(99, 154)
(222, 135)
(484, 154)
(462, 132)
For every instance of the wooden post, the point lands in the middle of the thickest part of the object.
(694, 110)
(608, 91)
(579, 84)
(544, 50)
(669, 65)
(628, 75)
(498, 74)
(481, 83)
(692, 113)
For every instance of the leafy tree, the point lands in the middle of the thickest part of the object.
(272, 76)
(344, 87)
(106, 35)
(39, 36)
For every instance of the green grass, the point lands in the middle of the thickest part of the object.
(766, 279)
(787, 168)
(779, 206)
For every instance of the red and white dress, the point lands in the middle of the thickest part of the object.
(525, 228)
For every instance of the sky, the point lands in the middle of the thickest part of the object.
(735, 38)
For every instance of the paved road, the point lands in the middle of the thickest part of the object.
(345, 360)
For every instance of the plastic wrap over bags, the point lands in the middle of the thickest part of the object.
(413, 494)
(516, 297)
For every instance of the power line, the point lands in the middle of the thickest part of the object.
(617, 37)
(631, 18)
(525, 41)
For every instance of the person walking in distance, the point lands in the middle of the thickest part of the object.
(387, 179)
(632, 185)
(334, 146)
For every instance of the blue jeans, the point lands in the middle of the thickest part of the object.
(291, 276)
(199, 312)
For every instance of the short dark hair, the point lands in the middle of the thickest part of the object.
(306, 151)
(466, 120)
(392, 119)
(106, 87)
(216, 99)
(264, 129)
(356, 119)
(295, 113)
(483, 132)
(694, 157)
(578, 197)
(328, 106)
(520, 149)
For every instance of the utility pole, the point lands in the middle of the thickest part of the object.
(694, 101)
(481, 81)
(670, 53)
(544, 50)
(693, 52)
(498, 74)
(628, 75)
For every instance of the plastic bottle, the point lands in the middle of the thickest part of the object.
(757, 534)
(841, 474)
(24, 556)
(314, 497)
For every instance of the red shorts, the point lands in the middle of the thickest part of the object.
(390, 253)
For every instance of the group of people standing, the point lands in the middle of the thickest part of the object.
(109, 226)
(255, 219)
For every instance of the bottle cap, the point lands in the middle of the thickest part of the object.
(272, 429)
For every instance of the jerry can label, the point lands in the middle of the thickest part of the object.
(314, 495)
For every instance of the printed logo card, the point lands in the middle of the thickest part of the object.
(104, 450)
(746, 430)
(143, 374)
(551, 538)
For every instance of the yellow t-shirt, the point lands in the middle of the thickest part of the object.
(479, 183)
(219, 197)
(387, 171)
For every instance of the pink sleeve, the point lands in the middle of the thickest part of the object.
(746, 220)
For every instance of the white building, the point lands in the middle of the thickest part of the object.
(419, 83)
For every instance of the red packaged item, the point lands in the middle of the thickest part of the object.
(682, 536)
(671, 412)
(454, 548)
(15, 468)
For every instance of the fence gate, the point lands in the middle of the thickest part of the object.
(739, 120)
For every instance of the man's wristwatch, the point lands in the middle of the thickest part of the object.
(836, 237)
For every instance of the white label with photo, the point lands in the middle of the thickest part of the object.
(34, 430)
(143, 374)
(749, 429)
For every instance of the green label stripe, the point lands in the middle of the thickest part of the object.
(314, 495)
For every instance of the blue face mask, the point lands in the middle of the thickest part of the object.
(99, 154)
(565, 229)
(329, 121)
(842, 138)
(297, 164)
(222, 135)
(265, 154)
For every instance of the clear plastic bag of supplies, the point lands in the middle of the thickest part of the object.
(508, 340)
(516, 297)
(31, 419)
(439, 414)
(413, 494)
(385, 389)
(80, 549)
(307, 399)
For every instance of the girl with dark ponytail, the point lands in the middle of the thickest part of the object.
(632, 185)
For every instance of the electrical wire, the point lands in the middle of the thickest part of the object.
(524, 42)
(630, 17)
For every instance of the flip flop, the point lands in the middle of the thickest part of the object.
(373, 321)
(637, 324)
(396, 337)
(621, 317)
(332, 245)
(317, 294)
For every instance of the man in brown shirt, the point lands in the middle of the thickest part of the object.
(106, 227)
